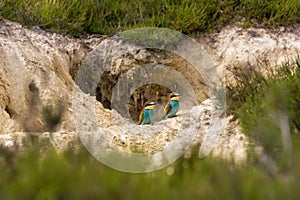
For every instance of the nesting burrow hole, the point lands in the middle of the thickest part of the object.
(151, 91)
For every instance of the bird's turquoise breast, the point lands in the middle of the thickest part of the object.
(174, 108)
(148, 117)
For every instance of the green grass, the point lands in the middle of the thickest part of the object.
(79, 17)
(69, 175)
(263, 105)
(255, 95)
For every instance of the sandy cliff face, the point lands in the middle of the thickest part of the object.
(252, 48)
(37, 69)
(34, 74)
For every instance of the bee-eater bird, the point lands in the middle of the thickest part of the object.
(172, 106)
(146, 116)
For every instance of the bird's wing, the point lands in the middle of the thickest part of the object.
(167, 108)
(141, 117)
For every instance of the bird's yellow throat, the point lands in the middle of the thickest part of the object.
(151, 107)
(175, 98)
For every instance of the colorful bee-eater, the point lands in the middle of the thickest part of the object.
(146, 116)
(172, 106)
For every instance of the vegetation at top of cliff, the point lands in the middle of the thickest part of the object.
(79, 17)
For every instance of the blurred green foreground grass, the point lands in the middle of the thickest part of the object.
(49, 175)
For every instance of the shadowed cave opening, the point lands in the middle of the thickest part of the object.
(7, 109)
(149, 92)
